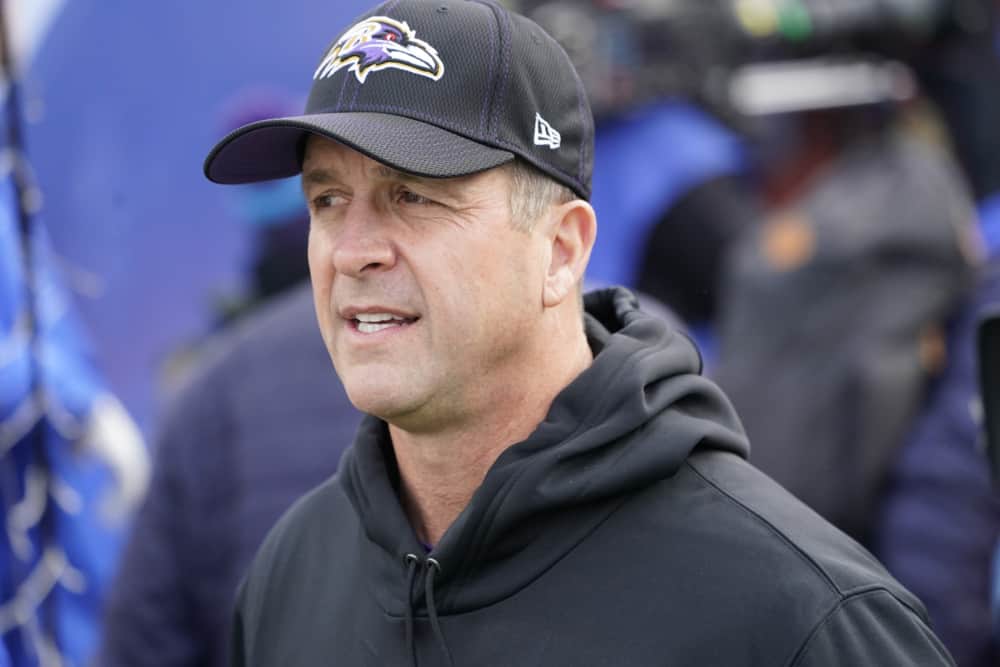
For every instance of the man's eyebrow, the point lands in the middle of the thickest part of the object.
(318, 176)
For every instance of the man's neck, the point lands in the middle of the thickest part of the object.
(441, 471)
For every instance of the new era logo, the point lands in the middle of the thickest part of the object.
(545, 135)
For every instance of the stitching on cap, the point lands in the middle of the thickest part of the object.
(584, 140)
(585, 127)
(494, 97)
(504, 74)
(354, 98)
(489, 99)
(343, 85)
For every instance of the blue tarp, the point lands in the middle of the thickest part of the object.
(67, 451)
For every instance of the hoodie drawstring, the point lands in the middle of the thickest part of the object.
(413, 563)
(433, 567)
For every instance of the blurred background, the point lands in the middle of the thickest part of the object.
(812, 187)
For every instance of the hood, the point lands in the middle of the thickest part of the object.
(628, 421)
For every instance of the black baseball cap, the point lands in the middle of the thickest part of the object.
(439, 89)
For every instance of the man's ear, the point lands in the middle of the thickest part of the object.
(573, 228)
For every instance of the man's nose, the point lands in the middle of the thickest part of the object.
(362, 244)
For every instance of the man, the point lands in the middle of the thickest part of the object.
(240, 442)
(534, 485)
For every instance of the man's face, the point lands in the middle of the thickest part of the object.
(427, 297)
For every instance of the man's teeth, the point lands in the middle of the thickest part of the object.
(377, 317)
(365, 327)
(372, 322)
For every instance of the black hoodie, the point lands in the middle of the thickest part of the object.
(628, 529)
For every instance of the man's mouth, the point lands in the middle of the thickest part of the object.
(369, 323)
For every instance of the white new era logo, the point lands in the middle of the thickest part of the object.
(545, 135)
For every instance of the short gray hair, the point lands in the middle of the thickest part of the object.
(532, 192)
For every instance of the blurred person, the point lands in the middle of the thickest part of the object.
(938, 529)
(938, 520)
(280, 229)
(273, 211)
(278, 226)
(518, 441)
(259, 423)
(938, 524)
(834, 308)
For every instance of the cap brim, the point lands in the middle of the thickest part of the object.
(273, 148)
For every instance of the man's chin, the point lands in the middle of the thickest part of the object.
(380, 400)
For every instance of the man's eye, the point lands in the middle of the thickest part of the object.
(408, 197)
(323, 201)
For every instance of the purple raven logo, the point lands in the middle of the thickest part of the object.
(381, 43)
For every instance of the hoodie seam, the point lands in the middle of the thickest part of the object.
(811, 562)
(839, 604)
(842, 594)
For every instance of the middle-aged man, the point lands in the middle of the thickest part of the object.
(537, 483)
